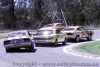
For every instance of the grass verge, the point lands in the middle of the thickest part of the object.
(90, 48)
(3, 35)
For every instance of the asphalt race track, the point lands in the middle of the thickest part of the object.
(45, 56)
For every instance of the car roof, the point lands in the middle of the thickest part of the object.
(74, 26)
(48, 29)
(57, 23)
(54, 24)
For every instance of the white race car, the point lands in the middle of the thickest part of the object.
(19, 39)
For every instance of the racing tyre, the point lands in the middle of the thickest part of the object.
(36, 44)
(64, 42)
(8, 50)
(89, 38)
(55, 43)
(31, 48)
(77, 39)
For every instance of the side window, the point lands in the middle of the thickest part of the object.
(63, 25)
(82, 28)
(57, 31)
(79, 29)
(59, 25)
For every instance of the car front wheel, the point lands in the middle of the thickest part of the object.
(64, 42)
(89, 37)
(77, 39)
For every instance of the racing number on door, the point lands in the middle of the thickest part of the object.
(61, 36)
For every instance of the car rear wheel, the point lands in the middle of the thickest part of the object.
(37, 45)
(12, 49)
(64, 42)
(31, 48)
(89, 37)
(77, 39)
(8, 50)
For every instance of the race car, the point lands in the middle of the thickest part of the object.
(55, 25)
(49, 36)
(77, 32)
(19, 39)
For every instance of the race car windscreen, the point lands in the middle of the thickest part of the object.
(49, 25)
(17, 34)
(68, 29)
(45, 32)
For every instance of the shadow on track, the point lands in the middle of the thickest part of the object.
(81, 40)
(21, 51)
(51, 45)
(60, 45)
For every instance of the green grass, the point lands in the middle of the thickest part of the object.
(90, 48)
(3, 35)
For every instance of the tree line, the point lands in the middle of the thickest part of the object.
(29, 14)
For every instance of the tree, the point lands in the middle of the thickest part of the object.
(8, 11)
(38, 9)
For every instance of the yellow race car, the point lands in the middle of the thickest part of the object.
(55, 25)
(49, 36)
(77, 32)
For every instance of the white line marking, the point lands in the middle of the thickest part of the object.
(69, 50)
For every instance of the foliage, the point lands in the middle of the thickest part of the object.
(90, 48)
(28, 14)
